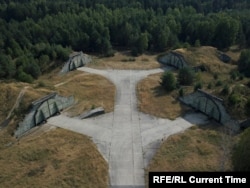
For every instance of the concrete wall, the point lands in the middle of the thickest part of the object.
(43, 109)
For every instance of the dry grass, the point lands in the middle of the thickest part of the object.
(197, 149)
(123, 60)
(57, 158)
(60, 158)
(8, 95)
(200, 148)
(154, 100)
(90, 91)
(208, 56)
(53, 78)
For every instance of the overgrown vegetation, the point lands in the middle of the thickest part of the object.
(200, 148)
(220, 79)
(241, 153)
(37, 36)
(244, 63)
(186, 76)
(168, 81)
(156, 100)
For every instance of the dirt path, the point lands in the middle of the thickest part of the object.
(16, 105)
(18, 100)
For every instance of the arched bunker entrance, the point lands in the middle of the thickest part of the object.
(41, 110)
(208, 104)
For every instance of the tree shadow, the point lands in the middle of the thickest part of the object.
(158, 91)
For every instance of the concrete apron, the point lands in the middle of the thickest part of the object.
(126, 138)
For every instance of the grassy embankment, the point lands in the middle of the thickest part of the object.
(57, 153)
(57, 157)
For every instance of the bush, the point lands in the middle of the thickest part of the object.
(186, 76)
(41, 84)
(168, 81)
(209, 86)
(241, 77)
(248, 84)
(110, 53)
(244, 63)
(234, 74)
(225, 90)
(181, 92)
(241, 153)
(234, 99)
(134, 52)
(198, 86)
(23, 77)
(216, 76)
(198, 76)
(247, 107)
(218, 83)
(197, 43)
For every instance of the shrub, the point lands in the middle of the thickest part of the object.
(234, 74)
(23, 77)
(241, 77)
(197, 43)
(198, 76)
(181, 92)
(41, 84)
(218, 83)
(244, 63)
(168, 81)
(234, 99)
(247, 107)
(186, 76)
(209, 86)
(216, 76)
(198, 86)
(225, 90)
(241, 153)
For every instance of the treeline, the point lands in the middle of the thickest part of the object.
(48, 7)
(36, 33)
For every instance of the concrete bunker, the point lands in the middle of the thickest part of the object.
(208, 106)
(41, 110)
(206, 103)
(178, 61)
(76, 60)
(173, 59)
(212, 106)
(46, 107)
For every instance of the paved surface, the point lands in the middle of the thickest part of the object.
(126, 138)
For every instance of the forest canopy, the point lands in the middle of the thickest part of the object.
(38, 34)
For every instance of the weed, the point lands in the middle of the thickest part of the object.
(92, 107)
